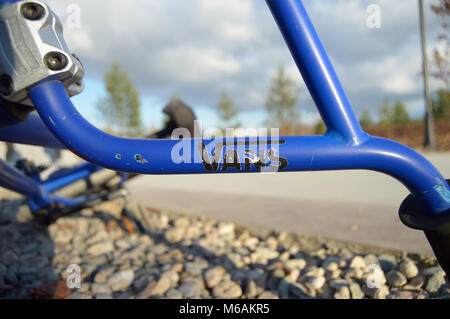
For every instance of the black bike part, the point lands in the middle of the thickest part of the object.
(51, 214)
(436, 229)
(19, 112)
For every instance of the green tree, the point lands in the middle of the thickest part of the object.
(385, 113)
(227, 112)
(120, 109)
(282, 101)
(366, 119)
(400, 114)
(441, 104)
(394, 115)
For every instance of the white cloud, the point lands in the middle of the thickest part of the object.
(399, 84)
(200, 47)
(237, 32)
(192, 65)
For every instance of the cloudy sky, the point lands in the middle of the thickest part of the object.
(198, 48)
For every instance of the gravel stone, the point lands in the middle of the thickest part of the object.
(268, 295)
(356, 291)
(358, 262)
(342, 293)
(195, 268)
(101, 248)
(436, 282)
(315, 282)
(214, 276)
(387, 262)
(162, 286)
(103, 296)
(298, 263)
(175, 235)
(415, 284)
(190, 288)
(174, 294)
(371, 259)
(409, 269)
(263, 254)
(180, 256)
(377, 293)
(227, 290)
(121, 280)
(103, 274)
(395, 279)
(98, 288)
(432, 270)
(299, 290)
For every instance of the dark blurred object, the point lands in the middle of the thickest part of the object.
(180, 116)
(29, 168)
(51, 290)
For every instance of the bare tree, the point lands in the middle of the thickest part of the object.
(441, 60)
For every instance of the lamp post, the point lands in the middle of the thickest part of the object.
(430, 138)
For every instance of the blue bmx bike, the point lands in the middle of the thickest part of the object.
(39, 74)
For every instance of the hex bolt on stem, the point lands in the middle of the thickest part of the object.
(55, 61)
(6, 85)
(32, 11)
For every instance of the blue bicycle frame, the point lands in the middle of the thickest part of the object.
(345, 146)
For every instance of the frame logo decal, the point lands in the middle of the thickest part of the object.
(241, 157)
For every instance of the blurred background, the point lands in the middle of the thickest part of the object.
(227, 60)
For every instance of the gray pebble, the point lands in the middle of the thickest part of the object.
(356, 291)
(162, 285)
(121, 280)
(315, 282)
(174, 294)
(387, 262)
(342, 293)
(376, 293)
(98, 288)
(190, 288)
(395, 279)
(102, 275)
(175, 235)
(195, 268)
(436, 282)
(227, 290)
(268, 295)
(101, 248)
(358, 262)
(103, 296)
(432, 270)
(409, 269)
(213, 276)
(298, 263)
